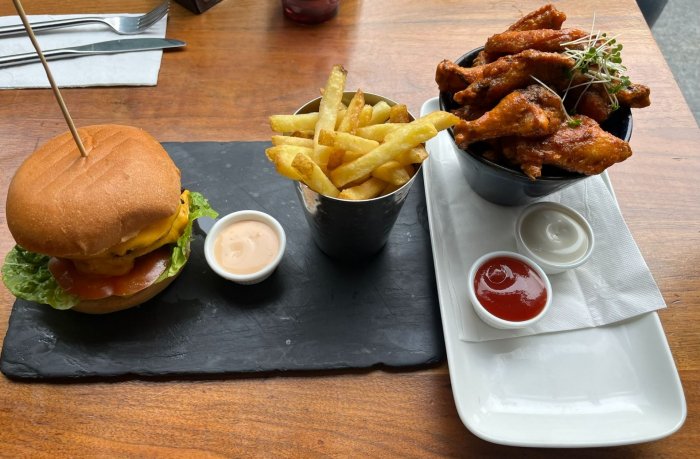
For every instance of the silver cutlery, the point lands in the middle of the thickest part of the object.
(105, 47)
(123, 25)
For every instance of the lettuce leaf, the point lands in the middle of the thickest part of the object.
(199, 207)
(26, 274)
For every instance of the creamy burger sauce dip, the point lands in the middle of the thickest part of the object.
(246, 246)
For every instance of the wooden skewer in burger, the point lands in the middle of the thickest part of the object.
(99, 217)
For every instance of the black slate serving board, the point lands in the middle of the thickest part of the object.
(312, 313)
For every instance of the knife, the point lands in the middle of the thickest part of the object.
(104, 47)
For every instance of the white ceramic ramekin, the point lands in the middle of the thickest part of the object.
(487, 316)
(252, 278)
(549, 264)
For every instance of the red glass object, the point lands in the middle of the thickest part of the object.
(510, 289)
(310, 11)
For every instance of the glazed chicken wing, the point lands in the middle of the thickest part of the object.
(451, 77)
(513, 42)
(531, 112)
(484, 58)
(514, 72)
(586, 149)
(594, 100)
(545, 17)
(635, 96)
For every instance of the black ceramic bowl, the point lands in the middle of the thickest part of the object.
(509, 186)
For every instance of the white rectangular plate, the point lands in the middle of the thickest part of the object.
(604, 386)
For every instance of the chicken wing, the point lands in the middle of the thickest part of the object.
(451, 77)
(635, 96)
(585, 149)
(530, 112)
(513, 42)
(594, 100)
(470, 112)
(514, 72)
(484, 58)
(545, 17)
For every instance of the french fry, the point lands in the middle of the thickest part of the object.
(351, 156)
(441, 120)
(392, 172)
(335, 159)
(339, 119)
(370, 188)
(357, 182)
(366, 115)
(328, 112)
(380, 113)
(389, 188)
(351, 119)
(313, 176)
(346, 141)
(353, 151)
(377, 132)
(290, 140)
(283, 155)
(271, 154)
(409, 136)
(399, 114)
(415, 155)
(304, 134)
(291, 123)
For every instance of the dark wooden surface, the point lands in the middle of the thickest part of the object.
(243, 62)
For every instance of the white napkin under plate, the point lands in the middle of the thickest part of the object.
(130, 69)
(613, 285)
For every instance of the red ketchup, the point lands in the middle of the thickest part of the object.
(510, 289)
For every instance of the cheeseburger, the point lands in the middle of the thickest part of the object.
(100, 233)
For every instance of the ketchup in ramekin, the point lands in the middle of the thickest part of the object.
(508, 290)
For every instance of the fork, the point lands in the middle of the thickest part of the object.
(123, 25)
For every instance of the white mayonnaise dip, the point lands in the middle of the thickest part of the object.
(554, 236)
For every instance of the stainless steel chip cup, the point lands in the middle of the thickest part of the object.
(345, 229)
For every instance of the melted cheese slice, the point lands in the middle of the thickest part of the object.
(119, 259)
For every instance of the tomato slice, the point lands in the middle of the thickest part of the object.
(147, 269)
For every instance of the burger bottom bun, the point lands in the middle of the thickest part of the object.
(119, 303)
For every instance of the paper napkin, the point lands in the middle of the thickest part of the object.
(130, 69)
(615, 283)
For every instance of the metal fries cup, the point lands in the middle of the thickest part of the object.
(351, 230)
(347, 229)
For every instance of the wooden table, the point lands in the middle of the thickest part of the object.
(243, 62)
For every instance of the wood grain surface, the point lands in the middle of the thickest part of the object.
(243, 62)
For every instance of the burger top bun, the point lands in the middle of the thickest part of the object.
(65, 205)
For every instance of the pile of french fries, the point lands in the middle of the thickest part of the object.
(354, 151)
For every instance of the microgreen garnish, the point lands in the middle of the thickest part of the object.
(598, 59)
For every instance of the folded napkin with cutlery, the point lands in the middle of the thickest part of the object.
(614, 285)
(127, 69)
